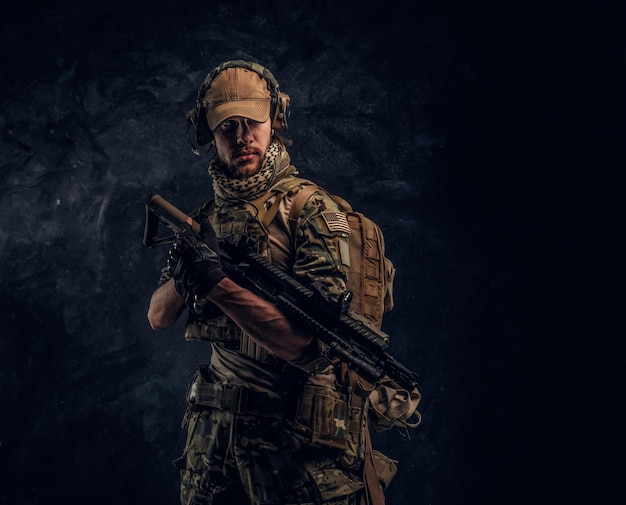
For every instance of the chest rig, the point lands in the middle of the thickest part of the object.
(247, 221)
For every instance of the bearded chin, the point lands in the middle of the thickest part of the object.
(244, 172)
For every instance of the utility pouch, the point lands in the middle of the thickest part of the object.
(322, 417)
(385, 467)
(358, 393)
(354, 451)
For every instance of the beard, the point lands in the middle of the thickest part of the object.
(241, 168)
(245, 171)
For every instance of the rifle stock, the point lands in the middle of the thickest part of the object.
(159, 210)
(349, 337)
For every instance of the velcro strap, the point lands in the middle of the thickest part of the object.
(354, 426)
(362, 388)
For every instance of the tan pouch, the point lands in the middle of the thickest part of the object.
(386, 468)
(354, 451)
(322, 416)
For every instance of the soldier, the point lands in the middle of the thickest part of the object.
(268, 421)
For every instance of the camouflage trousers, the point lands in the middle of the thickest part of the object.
(245, 459)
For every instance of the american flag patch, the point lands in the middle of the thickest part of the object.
(336, 221)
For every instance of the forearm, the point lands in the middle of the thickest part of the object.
(260, 319)
(166, 306)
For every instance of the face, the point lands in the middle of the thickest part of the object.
(241, 144)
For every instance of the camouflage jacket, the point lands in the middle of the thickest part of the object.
(312, 249)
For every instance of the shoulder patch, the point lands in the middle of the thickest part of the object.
(336, 221)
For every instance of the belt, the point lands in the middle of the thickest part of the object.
(236, 399)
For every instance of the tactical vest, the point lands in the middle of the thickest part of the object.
(370, 277)
(234, 221)
(249, 220)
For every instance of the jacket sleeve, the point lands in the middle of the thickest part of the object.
(321, 244)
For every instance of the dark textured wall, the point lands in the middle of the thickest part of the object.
(480, 137)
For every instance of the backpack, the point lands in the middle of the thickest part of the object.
(371, 274)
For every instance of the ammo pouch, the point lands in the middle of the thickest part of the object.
(321, 415)
(325, 417)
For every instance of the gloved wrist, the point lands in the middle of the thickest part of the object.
(201, 280)
(199, 268)
(179, 280)
(174, 268)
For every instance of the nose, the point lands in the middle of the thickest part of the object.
(243, 132)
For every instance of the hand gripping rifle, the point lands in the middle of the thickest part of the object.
(349, 337)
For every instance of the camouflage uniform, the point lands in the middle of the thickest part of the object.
(260, 430)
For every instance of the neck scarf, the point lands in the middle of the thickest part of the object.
(229, 189)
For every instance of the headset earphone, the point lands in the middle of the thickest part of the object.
(279, 105)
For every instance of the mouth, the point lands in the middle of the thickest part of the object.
(245, 155)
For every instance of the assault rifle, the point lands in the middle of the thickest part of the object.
(349, 337)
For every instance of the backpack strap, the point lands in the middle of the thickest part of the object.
(303, 196)
(299, 202)
(279, 190)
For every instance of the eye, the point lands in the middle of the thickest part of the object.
(228, 125)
